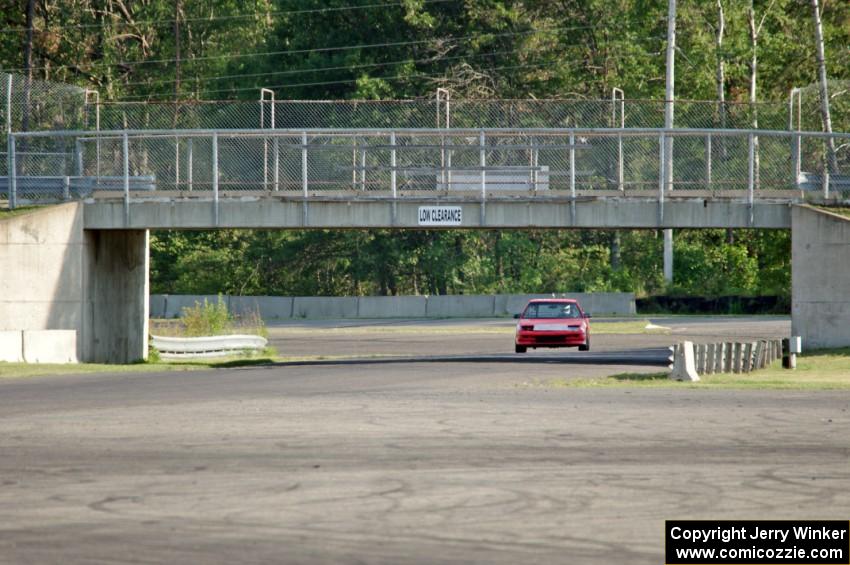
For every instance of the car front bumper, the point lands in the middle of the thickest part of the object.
(532, 338)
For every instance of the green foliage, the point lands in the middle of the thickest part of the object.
(388, 262)
(476, 48)
(492, 48)
(207, 319)
(153, 355)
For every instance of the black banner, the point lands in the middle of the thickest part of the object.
(761, 542)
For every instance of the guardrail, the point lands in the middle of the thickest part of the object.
(481, 163)
(202, 347)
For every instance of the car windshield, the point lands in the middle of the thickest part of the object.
(552, 310)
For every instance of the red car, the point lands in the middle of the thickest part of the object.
(552, 322)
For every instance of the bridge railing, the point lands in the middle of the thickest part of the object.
(400, 163)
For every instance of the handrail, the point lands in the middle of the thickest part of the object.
(117, 134)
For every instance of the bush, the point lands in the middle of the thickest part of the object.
(153, 355)
(207, 319)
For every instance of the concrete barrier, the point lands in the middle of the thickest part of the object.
(175, 303)
(11, 346)
(708, 358)
(50, 346)
(684, 363)
(461, 306)
(269, 307)
(156, 306)
(443, 306)
(608, 303)
(510, 304)
(596, 303)
(324, 307)
(392, 306)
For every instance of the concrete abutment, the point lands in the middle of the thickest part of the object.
(80, 294)
(820, 277)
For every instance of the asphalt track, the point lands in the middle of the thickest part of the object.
(652, 357)
(403, 462)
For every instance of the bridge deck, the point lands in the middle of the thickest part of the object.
(260, 210)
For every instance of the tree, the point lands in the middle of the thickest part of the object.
(823, 87)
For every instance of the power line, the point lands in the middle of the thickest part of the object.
(322, 69)
(346, 81)
(361, 66)
(225, 18)
(319, 49)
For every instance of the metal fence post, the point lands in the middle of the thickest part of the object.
(10, 143)
(276, 149)
(305, 216)
(263, 92)
(215, 175)
(393, 178)
(825, 182)
(535, 158)
(572, 177)
(751, 173)
(662, 176)
(78, 147)
(189, 158)
(176, 163)
(13, 173)
(622, 99)
(96, 126)
(8, 104)
(443, 95)
(483, 164)
(708, 162)
(125, 157)
(668, 161)
(795, 138)
(363, 167)
(66, 188)
(572, 165)
(304, 163)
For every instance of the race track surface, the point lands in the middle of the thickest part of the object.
(401, 462)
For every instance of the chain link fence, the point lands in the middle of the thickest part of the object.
(42, 105)
(358, 159)
(37, 105)
(382, 114)
(399, 163)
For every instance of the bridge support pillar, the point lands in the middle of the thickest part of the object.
(820, 277)
(117, 289)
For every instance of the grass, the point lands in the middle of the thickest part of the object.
(842, 210)
(818, 370)
(20, 211)
(597, 328)
(268, 357)
(20, 370)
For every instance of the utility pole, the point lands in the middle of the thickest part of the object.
(669, 94)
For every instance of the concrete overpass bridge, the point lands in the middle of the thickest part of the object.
(480, 178)
(126, 182)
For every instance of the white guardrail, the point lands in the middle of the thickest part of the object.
(212, 346)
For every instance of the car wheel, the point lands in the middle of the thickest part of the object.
(586, 345)
(520, 348)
